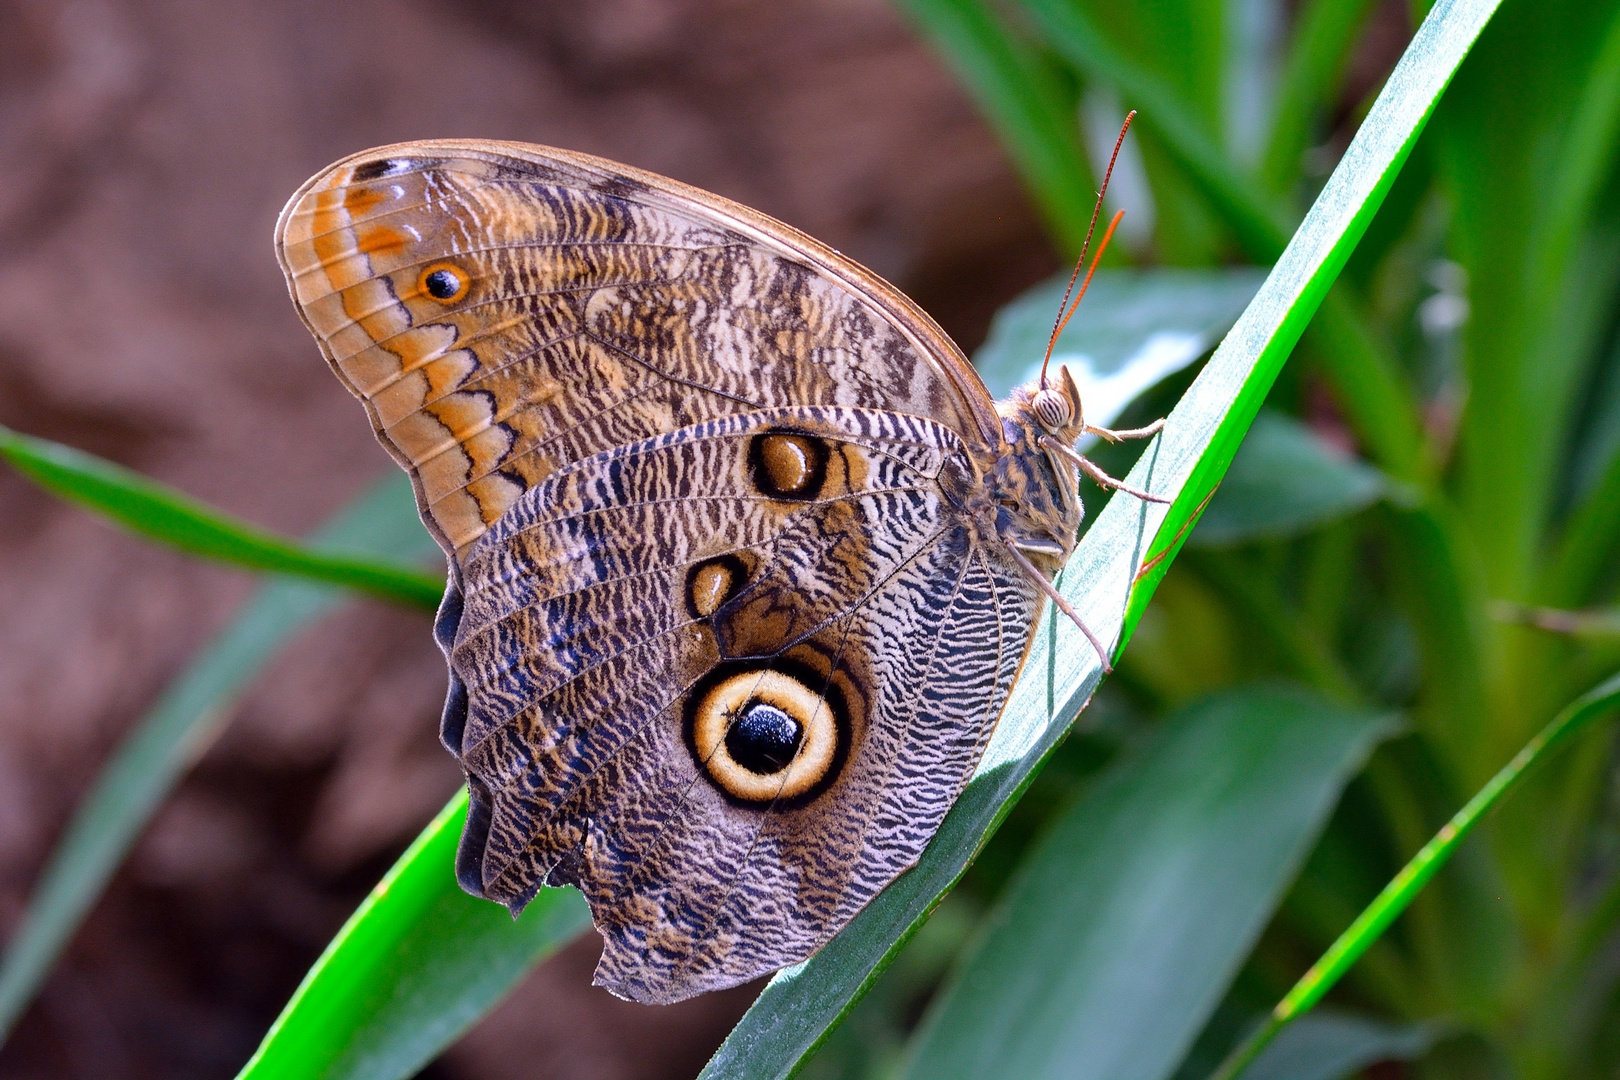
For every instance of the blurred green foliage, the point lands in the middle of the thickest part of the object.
(1411, 568)
(1434, 532)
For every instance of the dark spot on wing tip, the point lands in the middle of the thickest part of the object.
(375, 170)
(474, 839)
(444, 281)
(621, 187)
(442, 284)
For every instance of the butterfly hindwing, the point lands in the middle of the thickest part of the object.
(621, 626)
(504, 310)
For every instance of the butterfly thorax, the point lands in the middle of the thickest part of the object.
(1036, 495)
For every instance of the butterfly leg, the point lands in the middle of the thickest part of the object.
(1063, 605)
(1129, 433)
(1087, 466)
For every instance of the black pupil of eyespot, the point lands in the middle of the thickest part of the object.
(442, 284)
(763, 738)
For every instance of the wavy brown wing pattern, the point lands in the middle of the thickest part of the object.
(504, 310)
(641, 629)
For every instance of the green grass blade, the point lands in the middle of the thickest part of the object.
(1262, 228)
(144, 769)
(160, 513)
(412, 969)
(1401, 891)
(1586, 549)
(1268, 331)
(1187, 460)
(1026, 100)
(1128, 919)
(1323, 42)
(1372, 391)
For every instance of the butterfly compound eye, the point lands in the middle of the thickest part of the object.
(445, 282)
(1052, 409)
(764, 736)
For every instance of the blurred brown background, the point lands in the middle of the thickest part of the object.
(147, 148)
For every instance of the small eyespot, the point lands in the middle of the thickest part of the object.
(764, 736)
(445, 282)
(788, 465)
(710, 584)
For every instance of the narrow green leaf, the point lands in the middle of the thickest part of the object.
(1127, 920)
(1586, 550)
(801, 1004)
(1026, 100)
(1324, 38)
(182, 722)
(413, 968)
(1135, 328)
(1400, 892)
(1262, 229)
(1372, 391)
(1283, 482)
(1291, 296)
(160, 513)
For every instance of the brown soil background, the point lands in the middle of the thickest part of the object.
(147, 148)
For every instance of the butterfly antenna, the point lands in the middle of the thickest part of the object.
(1062, 318)
(1108, 234)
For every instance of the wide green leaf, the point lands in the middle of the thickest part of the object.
(1129, 917)
(1285, 481)
(157, 752)
(1134, 328)
(1596, 704)
(1107, 573)
(158, 512)
(1330, 1045)
(413, 968)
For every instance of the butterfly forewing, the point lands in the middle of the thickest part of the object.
(505, 310)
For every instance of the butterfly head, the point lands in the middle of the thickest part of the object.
(1056, 408)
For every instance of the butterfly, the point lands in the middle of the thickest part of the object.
(743, 557)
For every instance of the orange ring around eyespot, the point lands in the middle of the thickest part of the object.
(817, 750)
(462, 278)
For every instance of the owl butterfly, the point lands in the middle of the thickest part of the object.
(743, 557)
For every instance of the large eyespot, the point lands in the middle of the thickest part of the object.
(444, 281)
(710, 584)
(788, 465)
(766, 737)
